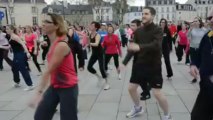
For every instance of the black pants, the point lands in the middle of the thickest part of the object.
(180, 51)
(203, 108)
(4, 56)
(107, 59)
(166, 55)
(93, 59)
(44, 53)
(19, 65)
(35, 60)
(193, 54)
(68, 99)
(124, 40)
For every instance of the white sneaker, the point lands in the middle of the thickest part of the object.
(167, 117)
(29, 88)
(119, 76)
(106, 86)
(16, 85)
(135, 112)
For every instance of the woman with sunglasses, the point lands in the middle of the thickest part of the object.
(166, 46)
(195, 35)
(63, 87)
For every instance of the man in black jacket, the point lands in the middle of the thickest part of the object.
(147, 63)
(203, 108)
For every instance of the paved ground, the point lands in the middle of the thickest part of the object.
(97, 104)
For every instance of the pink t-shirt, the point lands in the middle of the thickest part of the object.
(183, 37)
(30, 41)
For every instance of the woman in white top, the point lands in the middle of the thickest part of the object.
(4, 49)
(195, 35)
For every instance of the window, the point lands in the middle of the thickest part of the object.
(34, 10)
(170, 2)
(167, 9)
(156, 9)
(97, 18)
(13, 21)
(159, 2)
(165, 2)
(173, 9)
(86, 12)
(102, 10)
(11, 9)
(107, 10)
(102, 17)
(154, 2)
(97, 11)
(135, 14)
(162, 9)
(107, 18)
(35, 21)
(162, 16)
(167, 17)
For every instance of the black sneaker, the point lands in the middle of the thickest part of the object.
(194, 80)
(145, 96)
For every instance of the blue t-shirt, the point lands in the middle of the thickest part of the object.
(102, 34)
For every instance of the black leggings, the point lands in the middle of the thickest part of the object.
(44, 53)
(107, 59)
(166, 55)
(94, 57)
(4, 55)
(35, 60)
(180, 51)
(68, 99)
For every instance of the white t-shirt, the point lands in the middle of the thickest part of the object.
(3, 39)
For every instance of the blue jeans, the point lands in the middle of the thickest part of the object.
(19, 65)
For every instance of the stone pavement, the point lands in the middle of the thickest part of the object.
(97, 104)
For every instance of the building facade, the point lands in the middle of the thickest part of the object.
(103, 12)
(75, 14)
(132, 13)
(23, 12)
(185, 12)
(164, 8)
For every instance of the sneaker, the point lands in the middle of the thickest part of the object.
(16, 85)
(106, 86)
(135, 112)
(145, 96)
(119, 76)
(167, 117)
(194, 80)
(29, 88)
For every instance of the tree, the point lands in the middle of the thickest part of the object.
(120, 7)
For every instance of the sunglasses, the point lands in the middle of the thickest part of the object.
(47, 21)
(209, 18)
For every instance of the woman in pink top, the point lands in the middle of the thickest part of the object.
(63, 86)
(83, 40)
(182, 43)
(31, 42)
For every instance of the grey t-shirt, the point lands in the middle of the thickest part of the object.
(195, 36)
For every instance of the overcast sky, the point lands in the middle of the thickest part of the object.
(135, 3)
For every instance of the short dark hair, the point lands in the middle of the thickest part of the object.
(97, 25)
(137, 22)
(151, 9)
(110, 26)
(116, 24)
(128, 25)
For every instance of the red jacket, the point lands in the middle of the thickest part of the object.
(112, 44)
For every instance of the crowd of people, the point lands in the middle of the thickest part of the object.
(65, 47)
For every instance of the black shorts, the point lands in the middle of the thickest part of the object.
(145, 73)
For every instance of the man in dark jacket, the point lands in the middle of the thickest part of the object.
(147, 63)
(203, 108)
